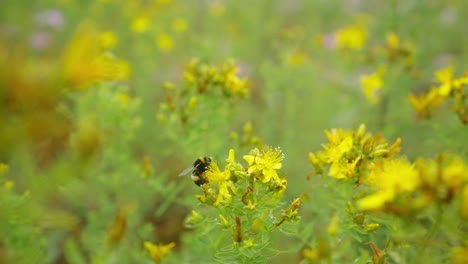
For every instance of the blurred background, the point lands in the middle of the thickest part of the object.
(96, 120)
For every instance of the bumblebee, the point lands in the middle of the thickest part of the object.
(200, 166)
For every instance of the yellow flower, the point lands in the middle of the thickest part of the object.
(343, 169)
(447, 81)
(249, 243)
(424, 103)
(108, 39)
(391, 178)
(455, 173)
(158, 252)
(179, 25)
(265, 163)
(371, 85)
(84, 62)
(233, 85)
(220, 178)
(393, 41)
(164, 42)
(140, 24)
(352, 37)
(335, 152)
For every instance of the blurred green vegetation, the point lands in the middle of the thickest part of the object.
(96, 120)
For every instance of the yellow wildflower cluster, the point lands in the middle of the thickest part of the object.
(223, 184)
(247, 198)
(396, 49)
(201, 80)
(392, 51)
(348, 153)
(447, 87)
(264, 165)
(204, 77)
(402, 187)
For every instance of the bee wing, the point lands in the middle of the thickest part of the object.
(186, 171)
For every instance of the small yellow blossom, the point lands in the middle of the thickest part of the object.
(393, 41)
(164, 42)
(158, 252)
(140, 24)
(448, 82)
(455, 173)
(335, 152)
(249, 243)
(220, 178)
(179, 25)
(372, 85)
(108, 39)
(351, 37)
(425, 102)
(265, 164)
(390, 179)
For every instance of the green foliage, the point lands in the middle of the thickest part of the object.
(103, 103)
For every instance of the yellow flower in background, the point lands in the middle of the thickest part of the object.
(108, 39)
(425, 102)
(85, 63)
(265, 163)
(164, 42)
(158, 252)
(140, 24)
(447, 81)
(393, 41)
(352, 37)
(455, 173)
(391, 178)
(372, 84)
(179, 25)
(445, 77)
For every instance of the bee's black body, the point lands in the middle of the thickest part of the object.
(200, 166)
